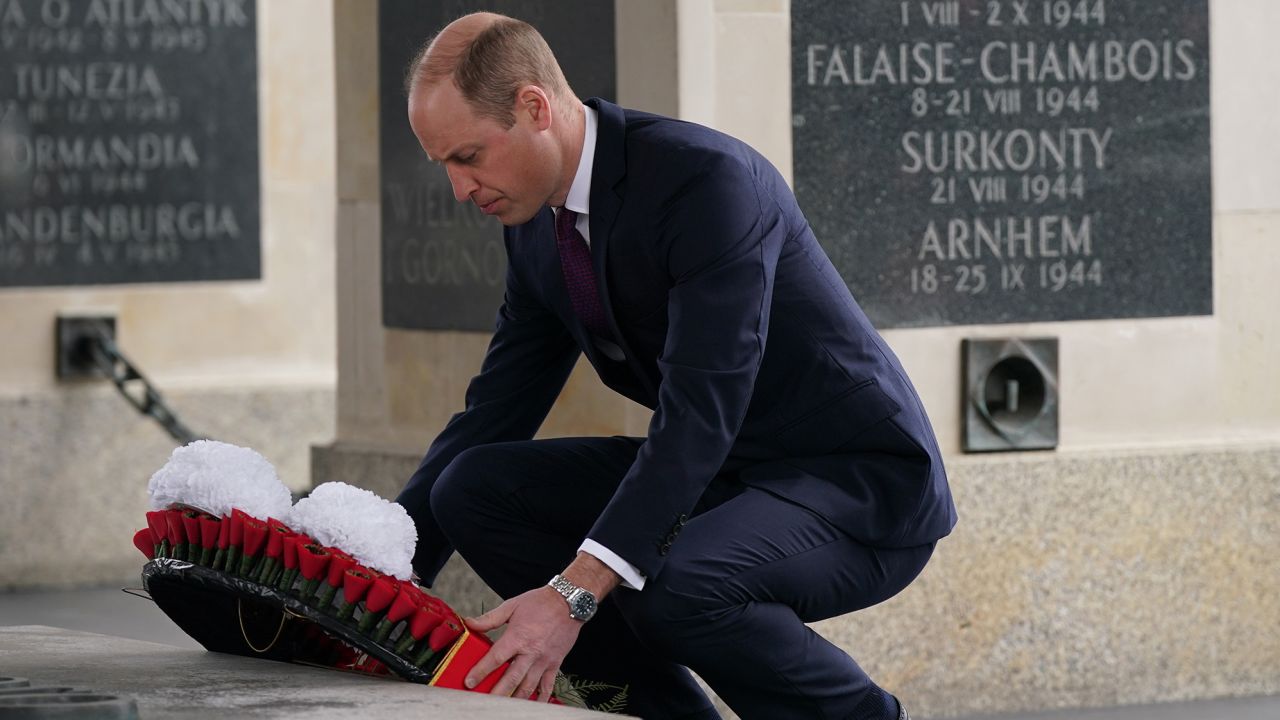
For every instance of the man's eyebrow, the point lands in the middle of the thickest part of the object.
(455, 155)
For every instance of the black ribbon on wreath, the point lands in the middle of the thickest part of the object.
(233, 615)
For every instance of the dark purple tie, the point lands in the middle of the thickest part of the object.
(579, 278)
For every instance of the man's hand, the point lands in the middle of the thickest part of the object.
(540, 633)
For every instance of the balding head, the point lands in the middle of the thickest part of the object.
(489, 57)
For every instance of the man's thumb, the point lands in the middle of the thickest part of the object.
(495, 618)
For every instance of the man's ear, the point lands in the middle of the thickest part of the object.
(533, 103)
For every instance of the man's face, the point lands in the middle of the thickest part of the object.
(506, 172)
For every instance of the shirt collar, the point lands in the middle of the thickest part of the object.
(579, 198)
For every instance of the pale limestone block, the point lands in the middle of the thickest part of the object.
(753, 82)
(362, 388)
(1088, 580)
(696, 50)
(1245, 104)
(587, 407)
(772, 7)
(1138, 382)
(1247, 296)
(295, 92)
(355, 24)
(75, 467)
(647, 56)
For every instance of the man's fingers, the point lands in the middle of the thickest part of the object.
(497, 655)
(533, 682)
(539, 634)
(548, 685)
(495, 618)
(514, 676)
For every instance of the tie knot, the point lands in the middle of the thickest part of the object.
(565, 221)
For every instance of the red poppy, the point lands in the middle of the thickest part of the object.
(191, 526)
(177, 533)
(142, 541)
(312, 560)
(421, 598)
(339, 563)
(438, 605)
(356, 582)
(442, 636)
(275, 542)
(224, 532)
(210, 529)
(158, 525)
(290, 554)
(445, 634)
(238, 517)
(404, 605)
(424, 621)
(255, 536)
(384, 590)
(289, 558)
(407, 600)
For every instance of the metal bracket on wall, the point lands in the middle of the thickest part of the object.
(1010, 399)
(86, 348)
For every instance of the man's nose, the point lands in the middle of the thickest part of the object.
(463, 184)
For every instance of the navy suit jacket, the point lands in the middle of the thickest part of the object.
(737, 331)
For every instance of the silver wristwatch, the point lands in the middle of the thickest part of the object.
(582, 603)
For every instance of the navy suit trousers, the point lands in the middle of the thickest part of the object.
(730, 603)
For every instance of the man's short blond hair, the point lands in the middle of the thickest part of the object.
(502, 58)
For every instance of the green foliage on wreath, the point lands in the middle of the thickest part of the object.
(581, 692)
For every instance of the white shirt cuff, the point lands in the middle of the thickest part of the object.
(631, 576)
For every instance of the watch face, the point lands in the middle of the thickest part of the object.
(582, 606)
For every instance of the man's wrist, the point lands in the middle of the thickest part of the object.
(632, 578)
(589, 573)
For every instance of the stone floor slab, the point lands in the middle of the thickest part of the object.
(171, 683)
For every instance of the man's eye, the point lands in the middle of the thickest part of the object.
(468, 158)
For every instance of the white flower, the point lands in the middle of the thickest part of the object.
(216, 477)
(379, 534)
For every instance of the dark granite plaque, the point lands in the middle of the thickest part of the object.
(443, 262)
(128, 141)
(1007, 161)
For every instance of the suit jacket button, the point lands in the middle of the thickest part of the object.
(664, 548)
(682, 519)
(671, 537)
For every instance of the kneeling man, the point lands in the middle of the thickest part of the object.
(789, 473)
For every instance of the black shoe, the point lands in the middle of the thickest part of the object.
(902, 712)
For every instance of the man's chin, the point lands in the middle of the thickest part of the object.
(512, 218)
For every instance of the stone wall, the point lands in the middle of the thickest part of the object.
(75, 465)
(250, 362)
(1082, 579)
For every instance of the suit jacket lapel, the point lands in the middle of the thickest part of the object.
(609, 169)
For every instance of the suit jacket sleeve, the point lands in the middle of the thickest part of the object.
(524, 369)
(721, 236)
